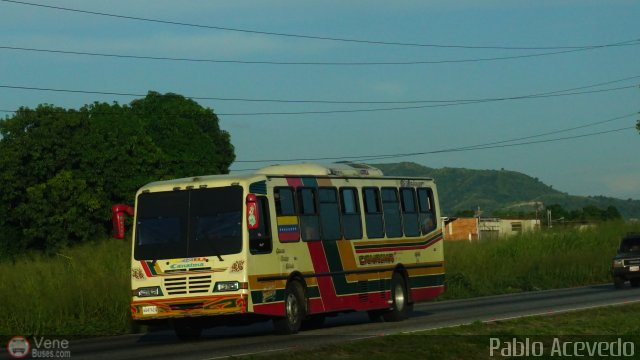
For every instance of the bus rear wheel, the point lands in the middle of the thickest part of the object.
(294, 310)
(399, 300)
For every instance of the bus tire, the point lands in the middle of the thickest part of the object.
(294, 310)
(399, 299)
(187, 329)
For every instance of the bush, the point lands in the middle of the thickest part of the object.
(62, 169)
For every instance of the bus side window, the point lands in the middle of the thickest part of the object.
(351, 222)
(285, 203)
(427, 210)
(391, 211)
(260, 238)
(409, 212)
(307, 207)
(329, 214)
(373, 213)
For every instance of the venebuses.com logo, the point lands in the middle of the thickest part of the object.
(39, 347)
(18, 347)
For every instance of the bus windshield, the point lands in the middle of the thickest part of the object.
(190, 223)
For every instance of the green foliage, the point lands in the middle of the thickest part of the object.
(82, 290)
(588, 214)
(500, 192)
(62, 169)
(536, 260)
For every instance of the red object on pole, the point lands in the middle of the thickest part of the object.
(118, 212)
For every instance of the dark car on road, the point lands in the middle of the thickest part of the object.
(626, 263)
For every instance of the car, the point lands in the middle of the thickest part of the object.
(626, 263)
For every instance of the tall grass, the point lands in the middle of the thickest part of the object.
(85, 290)
(79, 291)
(551, 258)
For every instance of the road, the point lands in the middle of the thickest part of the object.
(224, 342)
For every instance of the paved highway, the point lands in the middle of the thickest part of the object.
(224, 342)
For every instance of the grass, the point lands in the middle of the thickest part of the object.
(533, 261)
(473, 341)
(80, 291)
(85, 290)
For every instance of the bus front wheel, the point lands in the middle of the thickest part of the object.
(294, 310)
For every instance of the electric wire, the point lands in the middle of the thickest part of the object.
(562, 92)
(289, 35)
(634, 42)
(462, 148)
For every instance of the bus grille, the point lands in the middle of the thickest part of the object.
(188, 284)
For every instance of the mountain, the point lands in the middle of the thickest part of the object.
(492, 190)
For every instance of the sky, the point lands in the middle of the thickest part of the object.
(549, 88)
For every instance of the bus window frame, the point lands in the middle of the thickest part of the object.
(338, 214)
(277, 200)
(302, 217)
(387, 214)
(379, 215)
(429, 214)
(264, 227)
(356, 215)
(415, 213)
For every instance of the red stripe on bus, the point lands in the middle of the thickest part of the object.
(145, 267)
(294, 182)
(325, 283)
(272, 309)
(424, 294)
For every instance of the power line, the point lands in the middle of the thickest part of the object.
(326, 112)
(463, 148)
(343, 111)
(290, 35)
(634, 42)
(563, 92)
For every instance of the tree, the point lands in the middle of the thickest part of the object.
(61, 169)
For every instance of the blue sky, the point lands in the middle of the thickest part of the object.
(595, 164)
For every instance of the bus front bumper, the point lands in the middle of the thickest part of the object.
(162, 308)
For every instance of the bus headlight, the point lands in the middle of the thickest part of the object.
(148, 291)
(226, 286)
(618, 263)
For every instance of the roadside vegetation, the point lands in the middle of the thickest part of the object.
(82, 291)
(473, 341)
(549, 259)
(62, 169)
(85, 290)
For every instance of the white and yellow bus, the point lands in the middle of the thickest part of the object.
(292, 243)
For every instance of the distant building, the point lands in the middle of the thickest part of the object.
(485, 228)
(455, 228)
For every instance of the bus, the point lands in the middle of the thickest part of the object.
(288, 243)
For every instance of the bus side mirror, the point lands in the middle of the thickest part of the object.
(253, 219)
(118, 212)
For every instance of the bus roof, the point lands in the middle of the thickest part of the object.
(346, 170)
(337, 169)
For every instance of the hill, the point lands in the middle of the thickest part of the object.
(497, 190)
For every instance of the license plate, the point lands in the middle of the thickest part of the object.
(634, 268)
(149, 310)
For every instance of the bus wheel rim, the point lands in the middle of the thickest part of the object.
(398, 297)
